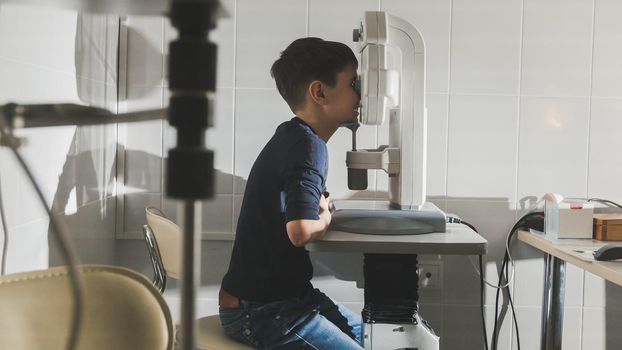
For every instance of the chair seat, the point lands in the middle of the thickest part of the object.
(121, 310)
(211, 336)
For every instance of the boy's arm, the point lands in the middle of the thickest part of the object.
(303, 231)
(306, 208)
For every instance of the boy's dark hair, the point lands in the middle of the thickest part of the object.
(306, 60)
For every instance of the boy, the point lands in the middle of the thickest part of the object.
(266, 299)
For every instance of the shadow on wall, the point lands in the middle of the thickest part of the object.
(83, 199)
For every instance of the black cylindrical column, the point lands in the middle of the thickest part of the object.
(192, 82)
(391, 288)
(190, 167)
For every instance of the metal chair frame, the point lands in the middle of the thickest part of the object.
(159, 277)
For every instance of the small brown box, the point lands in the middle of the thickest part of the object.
(608, 227)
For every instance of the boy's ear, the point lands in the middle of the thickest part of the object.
(316, 91)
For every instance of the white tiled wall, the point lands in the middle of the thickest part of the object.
(54, 56)
(523, 99)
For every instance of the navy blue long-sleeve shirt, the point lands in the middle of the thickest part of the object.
(285, 184)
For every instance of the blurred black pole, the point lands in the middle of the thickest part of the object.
(190, 168)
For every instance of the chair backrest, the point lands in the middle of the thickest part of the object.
(168, 236)
(121, 310)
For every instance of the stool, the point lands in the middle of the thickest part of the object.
(211, 336)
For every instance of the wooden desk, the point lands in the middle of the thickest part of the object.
(557, 253)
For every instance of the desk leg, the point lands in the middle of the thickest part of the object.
(553, 303)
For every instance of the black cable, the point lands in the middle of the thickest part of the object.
(503, 275)
(499, 283)
(452, 219)
(513, 311)
(481, 294)
(76, 284)
(606, 201)
(469, 225)
(5, 231)
(456, 220)
(503, 278)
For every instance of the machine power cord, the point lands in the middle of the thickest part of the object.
(68, 254)
(522, 223)
(504, 280)
(481, 300)
(5, 234)
(455, 220)
(605, 201)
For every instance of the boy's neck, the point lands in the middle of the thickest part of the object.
(322, 128)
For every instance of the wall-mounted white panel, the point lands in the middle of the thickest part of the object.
(38, 36)
(605, 167)
(600, 293)
(133, 215)
(145, 51)
(24, 83)
(462, 328)
(258, 112)
(529, 328)
(557, 47)
(460, 279)
(607, 68)
(482, 146)
(264, 29)
(601, 328)
(335, 20)
(437, 105)
(485, 46)
(552, 153)
(432, 19)
(28, 247)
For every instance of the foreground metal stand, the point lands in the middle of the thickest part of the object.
(190, 167)
(553, 303)
(192, 84)
(191, 222)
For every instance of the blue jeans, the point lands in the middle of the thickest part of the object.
(310, 322)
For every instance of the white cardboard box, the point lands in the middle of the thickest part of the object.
(568, 219)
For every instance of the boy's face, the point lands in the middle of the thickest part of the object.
(343, 99)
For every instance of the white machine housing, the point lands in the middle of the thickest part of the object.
(385, 336)
(392, 74)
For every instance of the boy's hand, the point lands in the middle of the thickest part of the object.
(325, 213)
(331, 206)
(324, 203)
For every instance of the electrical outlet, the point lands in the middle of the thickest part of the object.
(430, 275)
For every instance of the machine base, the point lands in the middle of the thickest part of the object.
(383, 336)
(378, 218)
